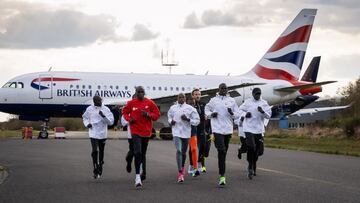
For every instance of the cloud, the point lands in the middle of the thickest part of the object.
(141, 32)
(338, 15)
(192, 22)
(220, 18)
(25, 25)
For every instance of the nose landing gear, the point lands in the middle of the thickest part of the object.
(43, 134)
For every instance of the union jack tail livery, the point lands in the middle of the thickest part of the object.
(311, 72)
(284, 59)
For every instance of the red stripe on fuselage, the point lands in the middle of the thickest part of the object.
(302, 34)
(54, 79)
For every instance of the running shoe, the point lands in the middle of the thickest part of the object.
(138, 183)
(203, 169)
(195, 173)
(180, 178)
(183, 171)
(222, 181)
(191, 169)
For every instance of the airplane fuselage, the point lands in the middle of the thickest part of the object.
(67, 94)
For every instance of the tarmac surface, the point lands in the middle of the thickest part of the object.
(56, 170)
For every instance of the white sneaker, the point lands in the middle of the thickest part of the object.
(191, 169)
(138, 182)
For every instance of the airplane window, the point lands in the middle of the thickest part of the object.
(188, 88)
(77, 86)
(177, 88)
(111, 86)
(6, 85)
(171, 88)
(83, 86)
(54, 84)
(99, 87)
(154, 88)
(183, 88)
(165, 88)
(71, 86)
(13, 85)
(89, 86)
(159, 88)
(116, 87)
(126, 87)
(20, 85)
(147, 88)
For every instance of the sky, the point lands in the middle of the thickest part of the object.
(218, 36)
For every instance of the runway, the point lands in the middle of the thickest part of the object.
(60, 171)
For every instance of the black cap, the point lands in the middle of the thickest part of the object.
(256, 90)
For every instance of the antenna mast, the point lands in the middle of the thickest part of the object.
(168, 59)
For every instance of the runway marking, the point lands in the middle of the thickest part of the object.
(309, 179)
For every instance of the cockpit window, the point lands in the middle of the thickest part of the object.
(13, 85)
(6, 85)
(19, 85)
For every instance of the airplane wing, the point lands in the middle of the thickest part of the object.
(300, 87)
(316, 110)
(206, 94)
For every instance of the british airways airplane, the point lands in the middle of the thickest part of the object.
(39, 96)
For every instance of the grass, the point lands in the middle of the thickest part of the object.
(323, 144)
(14, 133)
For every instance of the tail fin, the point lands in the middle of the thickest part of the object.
(284, 59)
(311, 72)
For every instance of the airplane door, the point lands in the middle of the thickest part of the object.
(45, 86)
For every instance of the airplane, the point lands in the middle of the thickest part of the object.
(288, 108)
(296, 107)
(41, 95)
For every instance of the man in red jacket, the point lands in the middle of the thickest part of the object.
(140, 112)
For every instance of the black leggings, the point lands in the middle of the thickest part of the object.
(140, 148)
(222, 145)
(207, 145)
(253, 144)
(130, 154)
(95, 144)
(201, 138)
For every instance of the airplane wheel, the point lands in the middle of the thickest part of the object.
(43, 135)
(165, 133)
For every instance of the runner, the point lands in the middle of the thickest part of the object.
(181, 117)
(257, 111)
(97, 118)
(140, 112)
(222, 110)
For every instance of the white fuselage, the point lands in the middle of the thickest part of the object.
(117, 88)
